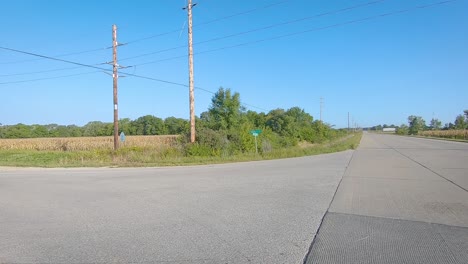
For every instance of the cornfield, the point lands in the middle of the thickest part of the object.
(454, 134)
(86, 143)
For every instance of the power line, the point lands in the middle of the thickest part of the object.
(242, 13)
(263, 28)
(293, 21)
(304, 31)
(156, 35)
(210, 21)
(154, 52)
(55, 59)
(36, 72)
(238, 45)
(246, 43)
(48, 78)
(184, 85)
(261, 40)
(61, 55)
(100, 70)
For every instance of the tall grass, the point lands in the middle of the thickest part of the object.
(151, 151)
(451, 134)
(86, 143)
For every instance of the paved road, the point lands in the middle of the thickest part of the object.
(401, 200)
(258, 212)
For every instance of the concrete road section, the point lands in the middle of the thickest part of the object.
(401, 200)
(257, 212)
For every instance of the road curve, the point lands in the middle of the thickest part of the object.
(401, 200)
(255, 212)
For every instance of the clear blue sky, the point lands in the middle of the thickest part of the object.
(381, 70)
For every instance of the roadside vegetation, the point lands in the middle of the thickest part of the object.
(458, 130)
(223, 135)
(446, 134)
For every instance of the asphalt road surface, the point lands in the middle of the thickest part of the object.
(256, 212)
(401, 200)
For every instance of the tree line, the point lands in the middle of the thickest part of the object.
(145, 125)
(223, 129)
(417, 124)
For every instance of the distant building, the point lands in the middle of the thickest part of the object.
(389, 130)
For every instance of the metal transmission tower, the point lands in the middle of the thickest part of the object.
(191, 88)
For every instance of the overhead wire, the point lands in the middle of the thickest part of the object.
(48, 78)
(60, 55)
(53, 58)
(99, 68)
(141, 39)
(210, 21)
(185, 85)
(160, 34)
(256, 41)
(242, 44)
(36, 72)
(262, 28)
(302, 32)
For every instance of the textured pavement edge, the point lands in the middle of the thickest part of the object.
(345, 238)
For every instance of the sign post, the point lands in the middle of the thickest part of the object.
(255, 133)
(122, 137)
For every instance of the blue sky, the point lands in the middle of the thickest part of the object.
(381, 70)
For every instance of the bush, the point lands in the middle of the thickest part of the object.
(199, 150)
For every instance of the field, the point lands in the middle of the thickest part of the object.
(139, 151)
(450, 134)
(86, 143)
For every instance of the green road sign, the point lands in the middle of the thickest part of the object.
(255, 132)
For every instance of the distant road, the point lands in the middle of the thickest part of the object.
(402, 200)
(255, 212)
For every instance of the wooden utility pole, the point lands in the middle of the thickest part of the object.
(115, 77)
(191, 88)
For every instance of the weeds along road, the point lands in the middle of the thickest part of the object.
(255, 212)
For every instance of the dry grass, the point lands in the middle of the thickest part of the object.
(453, 134)
(86, 143)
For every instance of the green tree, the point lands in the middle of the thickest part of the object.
(98, 128)
(176, 126)
(225, 110)
(126, 126)
(301, 123)
(449, 126)
(149, 125)
(460, 122)
(39, 131)
(402, 130)
(416, 124)
(18, 131)
(435, 124)
(257, 120)
(75, 131)
(279, 122)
